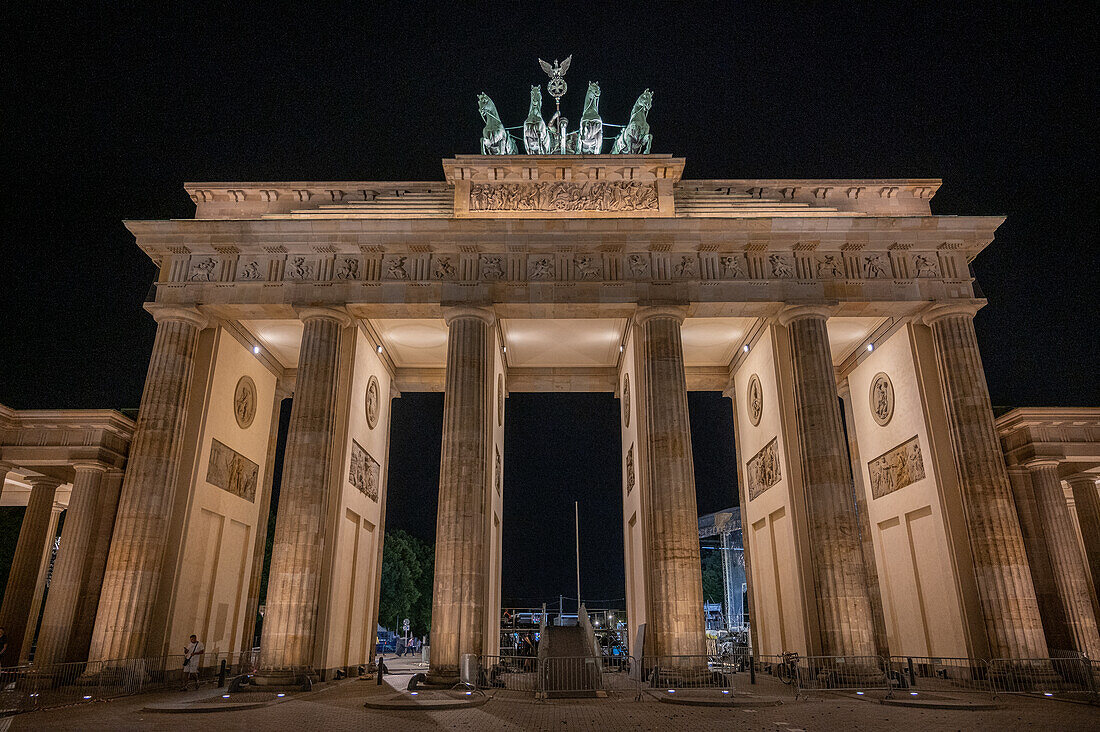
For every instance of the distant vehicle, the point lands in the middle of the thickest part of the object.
(387, 643)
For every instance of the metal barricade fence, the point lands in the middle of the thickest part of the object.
(1067, 677)
(690, 672)
(853, 673)
(30, 687)
(561, 676)
(938, 674)
(511, 673)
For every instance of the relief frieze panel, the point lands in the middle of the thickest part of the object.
(893, 470)
(763, 469)
(546, 267)
(232, 471)
(365, 472)
(564, 196)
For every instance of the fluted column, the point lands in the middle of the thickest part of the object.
(675, 621)
(1013, 625)
(290, 622)
(840, 579)
(459, 598)
(39, 593)
(67, 583)
(26, 565)
(252, 604)
(1066, 559)
(1086, 502)
(132, 575)
(874, 587)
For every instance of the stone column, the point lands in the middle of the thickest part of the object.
(67, 583)
(1013, 625)
(1066, 560)
(40, 586)
(132, 575)
(874, 588)
(99, 545)
(290, 622)
(458, 602)
(840, 578)
(252, 604)
(1086, 502)
(675, 622)
(26, 564)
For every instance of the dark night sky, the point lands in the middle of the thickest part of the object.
(108, 112)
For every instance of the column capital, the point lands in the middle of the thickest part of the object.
(844, 389)
(46, 481)
(1042, 461)
(457, 312)
(791, 313)
(649, 312)
(311, 312)
(1083, 478)
(949, 309)
(162, 313)
(90, 466)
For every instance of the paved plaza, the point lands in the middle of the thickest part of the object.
(339, 706)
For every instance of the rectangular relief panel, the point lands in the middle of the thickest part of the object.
(232, 471)
(365, 473)
(763, 469)
(898, 467)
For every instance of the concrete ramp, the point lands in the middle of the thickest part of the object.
(568, 667)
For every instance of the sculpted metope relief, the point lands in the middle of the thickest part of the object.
(244, 402)
(882, 398)
(373, 402)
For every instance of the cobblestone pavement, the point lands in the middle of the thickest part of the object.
(339, 706)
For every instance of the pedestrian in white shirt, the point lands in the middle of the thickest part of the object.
(192, 653)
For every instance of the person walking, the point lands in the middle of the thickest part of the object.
(192, 653)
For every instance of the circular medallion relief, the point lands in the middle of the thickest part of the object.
(626, 399)
(373, 401)
(244, 402)
(756, 400)
(500, 399)
(882, 399)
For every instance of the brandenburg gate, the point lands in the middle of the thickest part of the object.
(837, 315)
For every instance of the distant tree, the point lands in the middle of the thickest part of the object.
(713, 590)
(407, 576)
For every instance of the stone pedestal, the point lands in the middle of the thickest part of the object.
(1086, 502)
(26, 565)
(1011, 612)
(132, 576)
(290, 622)
(840, 579)
(674, 625)
(459, 598)
(67, 583)
(1066, 561)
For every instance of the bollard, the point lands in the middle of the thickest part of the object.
(221, 674)
(752, 669)
(912, 674)
(381, 670)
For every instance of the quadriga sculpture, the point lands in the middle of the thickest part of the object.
(495, 140)
(635, 138)
(590, 139)
(536, 136)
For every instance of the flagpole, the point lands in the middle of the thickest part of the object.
(577, 533)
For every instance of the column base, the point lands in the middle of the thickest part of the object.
(284, 679)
